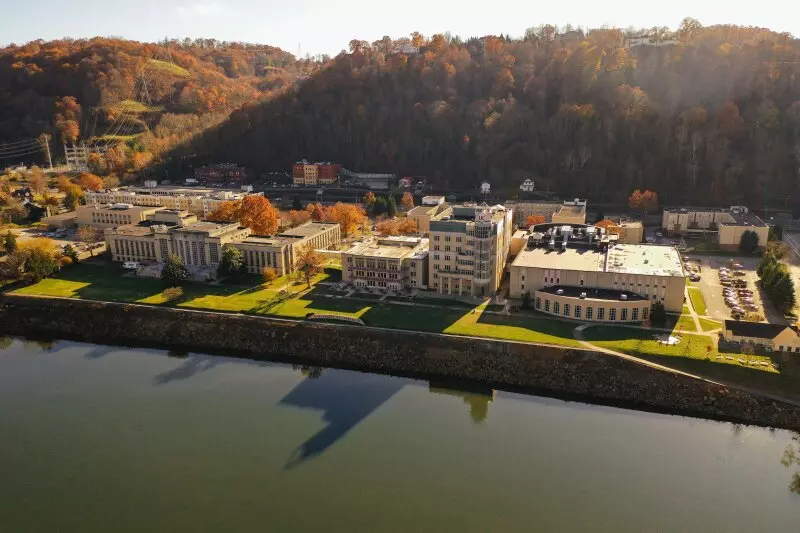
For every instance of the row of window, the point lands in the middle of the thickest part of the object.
(136, 249)
(577, 311)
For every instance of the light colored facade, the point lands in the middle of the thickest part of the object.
(566, 212)
(586, 264)
(728, 224)
(631, 232)
(469, 247)
(98, 216)
(392, 263)
(193, 199)
(773, 337)
(200, 244)
(528, 185)
(591, 305)
(423, 214)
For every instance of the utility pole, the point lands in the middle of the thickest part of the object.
(46, 139)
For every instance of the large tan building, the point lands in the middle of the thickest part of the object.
(423, 214)
(773, 337)
(200, 244)
(469, 247)
(108, 216)
(576, 266)
(199, 200)
(727, 225)
(392, 263)
(566, 212)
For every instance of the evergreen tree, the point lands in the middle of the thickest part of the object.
(232, 263)
(297, 205)
(391, 207)
(380, 207)
(10, 243)
(749, 242)
(70, 252)
(174, 271)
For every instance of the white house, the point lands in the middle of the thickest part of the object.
(528, 185)
(485, 187)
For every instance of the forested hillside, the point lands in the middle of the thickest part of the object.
(709, 114)
(148, 96)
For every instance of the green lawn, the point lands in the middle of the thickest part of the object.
(699, 304)
(132, 106)
(708, 324)
(680, 323)
(171, 68)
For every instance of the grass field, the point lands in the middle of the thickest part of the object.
(699, 304)
(708, 325)
(680, 323)
(134, 107)
(100, 282)
(172, 68)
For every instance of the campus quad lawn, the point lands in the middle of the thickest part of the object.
(707, 324)
(699, 304)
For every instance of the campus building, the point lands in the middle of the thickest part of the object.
(392, 263)
(221, 173)
(726, 226)
(578, 272)
(200, 244)
(469, 247)
(305, 173)
(558, 212)
(198, 200)
(108, 216)
(773, 337)
(423, 214)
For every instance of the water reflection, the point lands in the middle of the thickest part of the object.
(791, 459)
(478, 397)
(5, 342)
(345, 399)
(310, 372)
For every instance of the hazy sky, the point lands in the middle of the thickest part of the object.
(327, 26)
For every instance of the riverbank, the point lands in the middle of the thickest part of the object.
(496, 363)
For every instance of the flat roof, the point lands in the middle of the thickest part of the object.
(644, 259)
(583, 259)
(258, 239)
(206, 226)
(307, 230)
(132, 230)
(572, 210)
(387, 251)
(593, 294)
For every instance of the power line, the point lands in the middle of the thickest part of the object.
(18, 145)
(22, 154)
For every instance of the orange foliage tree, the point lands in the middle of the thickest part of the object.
(408, 201)
(90, 181)
(226, 212)
(532, 220)
(317, 212)
(644, 201)
(609, 225)
(295, 218)
(388, 226)
(258, 214)
(348, 216)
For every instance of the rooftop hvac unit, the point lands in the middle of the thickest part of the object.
(560, 291)
(623, 297)
(583, 296)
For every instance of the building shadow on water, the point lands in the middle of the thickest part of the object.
(345, 399)
(192, 365)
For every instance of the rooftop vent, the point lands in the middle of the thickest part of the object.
(623, 297)
(560, 291)
(583, 296)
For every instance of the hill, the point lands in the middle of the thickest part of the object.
(702, 114)
(152, 96)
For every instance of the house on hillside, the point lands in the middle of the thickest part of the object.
(485, 187)
(773, 337)
(528, 185)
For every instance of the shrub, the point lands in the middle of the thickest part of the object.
(173, 293)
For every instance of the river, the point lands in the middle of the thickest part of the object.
(97, 438)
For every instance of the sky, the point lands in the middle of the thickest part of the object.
(327, 26)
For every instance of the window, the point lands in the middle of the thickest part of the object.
(577, 311)
(612, 313)
(601, 313)
(644, 313)
(538, 304)
(446, 248)
(581, 283)
(523, 277)
(547, 306)
(556, 307)
(624, 314)
(447, 238)
(589, 313)
(635, 314)
(566, 309)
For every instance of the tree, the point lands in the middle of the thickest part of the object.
(73, 197)
(296, 218)
(228, 211)
(90, 182)
(232, 262)
(408, 201)
(40, 258)
(391, 207)
(172, 294)
(533, 220)
(269, 274)
(748, 243)
(174, 271)
(775, 233)
(408, 227)
(644, 201)
(37, 182)
(90, 236)
(379, 207)
(317, 212)
(369, 200)
(309, 263)
(70, 252)
(10, 242)
(63, 183)
(658, 315)
(389, 226)
(297, 205)
(258, 214)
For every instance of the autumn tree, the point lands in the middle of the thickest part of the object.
(533, 220)
(408, 201)
(90, 182)
(172, 294)
(309, 263)
(388, 226)
(258, 214)
(269, 274)
(407, 227)
(369, 200)
(298, 217)
(36, 181)
(63, 183)
(39, 257)
(73, 197)
(609, 225)
(645, 201)
(348, 216)
(316, 211)
(228, 211)
(90, 236)
(67, 119)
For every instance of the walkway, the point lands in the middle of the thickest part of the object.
(692, 310)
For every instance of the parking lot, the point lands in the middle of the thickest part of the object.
(62, 238)
(711, 287)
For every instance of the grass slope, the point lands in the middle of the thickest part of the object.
(699, 304)
(171, 68)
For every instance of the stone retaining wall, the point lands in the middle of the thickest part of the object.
(499, 364)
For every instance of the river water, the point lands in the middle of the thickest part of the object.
(96, 438)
